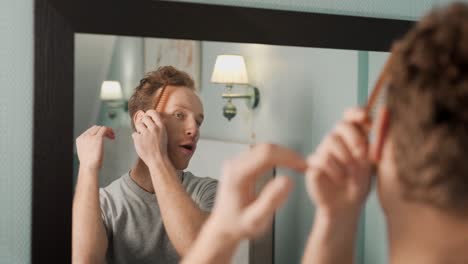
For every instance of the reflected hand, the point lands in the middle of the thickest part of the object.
(89, 146)
(150, 138)
(339, 174)
(238, 212)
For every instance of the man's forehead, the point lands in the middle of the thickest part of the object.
(185, 98)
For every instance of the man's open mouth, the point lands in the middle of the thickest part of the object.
(188, 147)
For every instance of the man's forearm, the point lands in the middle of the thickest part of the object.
(182, 217)
(89, 241)
(332, 239)
(212, 246)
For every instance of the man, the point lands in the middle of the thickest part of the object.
(420, 150)
(153, 213)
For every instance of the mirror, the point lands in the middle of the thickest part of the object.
(303, 91)
(57, 22)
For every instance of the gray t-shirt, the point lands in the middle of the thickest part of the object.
(133, 222)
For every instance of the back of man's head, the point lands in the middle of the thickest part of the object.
(428, 101)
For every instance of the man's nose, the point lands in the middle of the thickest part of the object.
(192, 129)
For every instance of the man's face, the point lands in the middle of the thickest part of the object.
(183, 116)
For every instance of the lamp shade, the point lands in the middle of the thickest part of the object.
(230, 69)
(111, 90)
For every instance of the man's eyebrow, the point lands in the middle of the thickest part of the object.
(186, 108)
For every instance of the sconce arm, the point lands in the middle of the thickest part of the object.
(254, 96)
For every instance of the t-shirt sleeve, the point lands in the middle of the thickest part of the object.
(207, 194)
(105, 204)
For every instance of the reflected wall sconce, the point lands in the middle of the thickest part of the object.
(231, 70)
(111, 95)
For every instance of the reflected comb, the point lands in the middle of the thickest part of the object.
(378, 90)
(161, 99)
(377, 96)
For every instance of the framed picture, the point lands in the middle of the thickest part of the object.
(185, 55)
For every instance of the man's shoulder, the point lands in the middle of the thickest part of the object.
(190, 178)
(115, 188)
(193, 183)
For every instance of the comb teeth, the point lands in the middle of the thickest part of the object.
(161, 100)
(379, 93)
(379, 101)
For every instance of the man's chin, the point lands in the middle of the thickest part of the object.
(180, 164)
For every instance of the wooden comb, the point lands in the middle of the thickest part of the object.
(161, 100)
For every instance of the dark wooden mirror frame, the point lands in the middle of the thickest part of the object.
(56, 22)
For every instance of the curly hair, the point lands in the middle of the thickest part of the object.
(428, 101)
(143, 97)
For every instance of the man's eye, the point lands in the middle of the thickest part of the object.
(179, 115)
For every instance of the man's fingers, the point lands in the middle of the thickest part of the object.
(355, 139)
(110, 134)
(250, 165)
(318, 178)
(261, 211)
(92, 130)
(328, 166)
(148, 121)
(106, 132)
(336, 145)
(140, 127)
(135, 136)
(357, 115)
(156, 117)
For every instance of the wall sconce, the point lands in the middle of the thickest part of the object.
(111, 95)
(230, 70)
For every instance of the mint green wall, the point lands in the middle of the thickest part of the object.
(99, 58)
(127, 67)
(16, 102)
(396, 9)
(375, 236)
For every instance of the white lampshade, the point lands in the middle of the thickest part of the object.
(230, 69)
(111, 90)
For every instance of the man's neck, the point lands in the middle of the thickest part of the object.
(428, 236)
(140, 174)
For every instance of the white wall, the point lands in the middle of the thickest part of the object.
(208, 162)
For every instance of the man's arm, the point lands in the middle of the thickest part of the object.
(89, 240)
(181, 216)
(89, 236)
(240, 213)
(338, 181)
(332, 239)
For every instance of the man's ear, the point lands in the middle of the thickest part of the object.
(137, 116)
(381, 128)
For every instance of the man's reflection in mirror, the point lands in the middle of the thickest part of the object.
(153, 213)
